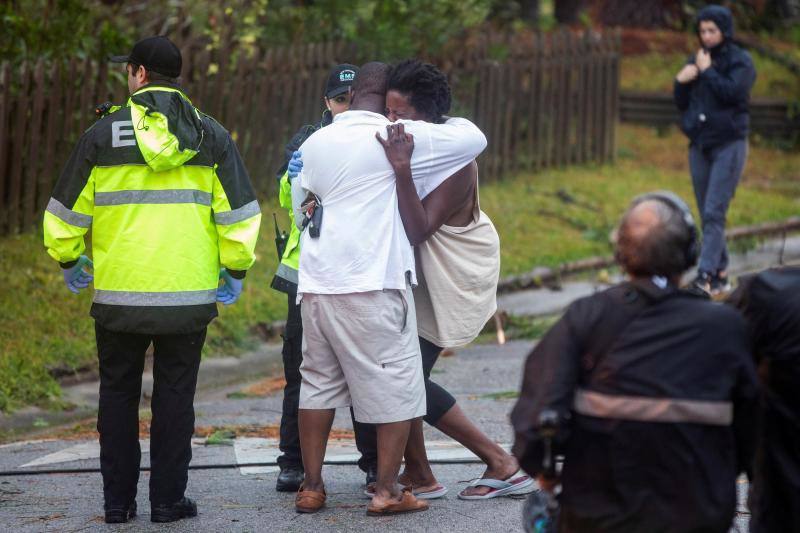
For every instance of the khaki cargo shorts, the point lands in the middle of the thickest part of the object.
(362, 349)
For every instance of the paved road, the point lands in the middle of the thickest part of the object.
(482, 377)
(231, 500)
(238, 499)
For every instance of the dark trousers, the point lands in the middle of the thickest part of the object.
(176, 360)
(366, 439)
(438, 400)
(715, 175)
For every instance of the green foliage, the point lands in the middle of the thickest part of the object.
(504, 395)
(385, 29)
(751, 15)
(221, 437)
(61, 29)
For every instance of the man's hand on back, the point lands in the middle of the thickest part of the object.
(398, 145)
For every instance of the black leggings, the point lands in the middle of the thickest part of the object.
(439, 401)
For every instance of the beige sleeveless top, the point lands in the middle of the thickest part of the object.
(457, 273)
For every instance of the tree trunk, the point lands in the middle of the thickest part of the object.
(567, 11)
(640, 13)
(530, 11)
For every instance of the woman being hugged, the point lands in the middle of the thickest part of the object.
(458, 265)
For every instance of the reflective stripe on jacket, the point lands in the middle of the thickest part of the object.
(285, 279)
(169, 201)
(656, 391)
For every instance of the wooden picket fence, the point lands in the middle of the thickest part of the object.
(769, 117)
(543, 101)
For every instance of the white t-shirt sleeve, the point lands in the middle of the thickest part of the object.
(441, 150)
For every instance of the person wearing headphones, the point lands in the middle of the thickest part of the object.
(652, 389)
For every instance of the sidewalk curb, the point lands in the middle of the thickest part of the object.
(541, 276)
(540, 301)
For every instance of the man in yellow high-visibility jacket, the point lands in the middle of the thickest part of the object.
(172, 211)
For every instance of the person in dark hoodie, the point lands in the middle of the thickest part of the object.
(712, 91)
(770, 302)
(169, 201)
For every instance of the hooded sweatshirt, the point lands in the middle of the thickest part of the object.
(715, 106)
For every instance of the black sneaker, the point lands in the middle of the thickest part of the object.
(720, 284)
(120, 515)
(701, 284)
(290, 479)
(372, 475)
(183, 508)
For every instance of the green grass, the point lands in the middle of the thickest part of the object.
(537, 228)
(504, 395)
(44, 328)
(655, 72)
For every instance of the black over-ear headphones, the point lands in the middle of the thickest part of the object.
(692, 251)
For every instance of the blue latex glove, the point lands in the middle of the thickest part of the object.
(231, 288)
(75, 277)
(295, 165)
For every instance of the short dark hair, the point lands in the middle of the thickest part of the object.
(371, 79)
(153, 76)
(661, 250)
(424, 85)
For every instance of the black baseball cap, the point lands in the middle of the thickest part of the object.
(340, 79)
(158, 54)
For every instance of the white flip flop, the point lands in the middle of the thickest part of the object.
(519, 483)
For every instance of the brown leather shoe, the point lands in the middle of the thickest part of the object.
(309, 501)
(408, 503)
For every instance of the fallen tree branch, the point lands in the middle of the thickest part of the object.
(541, 276)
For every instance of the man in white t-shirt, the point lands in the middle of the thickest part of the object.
(360, 343)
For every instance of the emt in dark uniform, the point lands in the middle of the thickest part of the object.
(654, 389)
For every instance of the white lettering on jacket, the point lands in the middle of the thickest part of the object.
(122, 134)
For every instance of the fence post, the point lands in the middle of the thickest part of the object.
(615, 78)
(30, 172)
(5, 111)
(19, 129)
(85, 110)
(47, 177)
